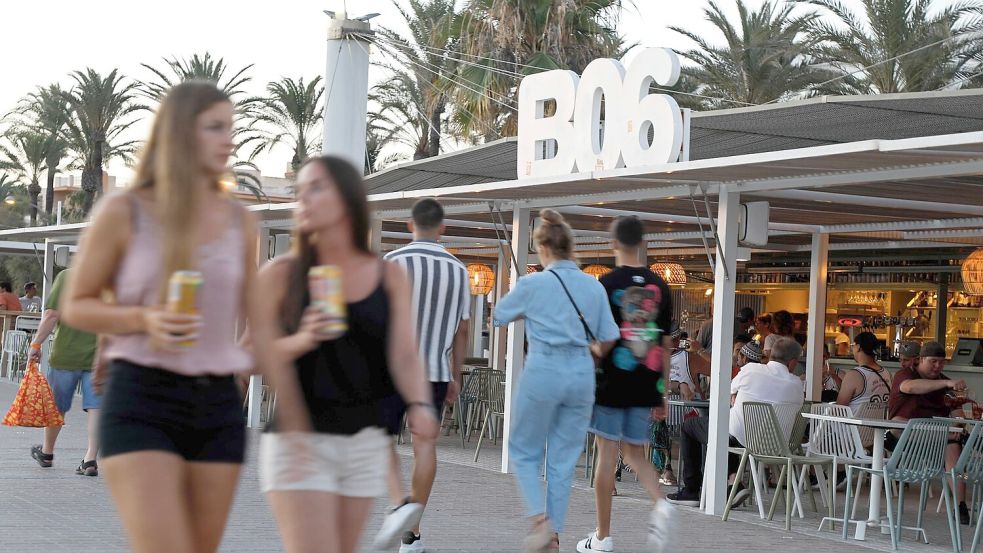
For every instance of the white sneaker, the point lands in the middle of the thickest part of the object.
(661, 523)
(411, 543)
(400, 520)
(592, 544)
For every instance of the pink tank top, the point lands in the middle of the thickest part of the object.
(221, 263)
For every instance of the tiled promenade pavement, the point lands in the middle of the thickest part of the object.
(473, 509)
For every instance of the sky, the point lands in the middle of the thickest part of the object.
(45, 41)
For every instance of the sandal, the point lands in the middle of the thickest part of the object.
(87, 468)
(43, 459)
(539, 539)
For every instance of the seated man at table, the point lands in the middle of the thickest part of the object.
(921, 393)
(8, 300)
(773, 383)
(686, 368)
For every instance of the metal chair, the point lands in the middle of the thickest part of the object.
(467, 402)
(969, 469)
(493, 403)
(14, 352)
(837, 441)
(918, 458)
(768, 444)
(868, 410)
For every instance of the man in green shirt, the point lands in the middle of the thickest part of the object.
(70, 364)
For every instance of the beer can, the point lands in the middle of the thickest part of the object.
(182, 295)
(327, 295)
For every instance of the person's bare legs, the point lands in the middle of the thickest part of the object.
(607, 464)
(647, 475)
(149, 489)
(93, 431)
(952, 452)
(211, 488)
(394, 479)
(353, 513)
(308, 521)
(50, 437)
(424, 471)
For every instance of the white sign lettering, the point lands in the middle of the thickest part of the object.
(574, 138)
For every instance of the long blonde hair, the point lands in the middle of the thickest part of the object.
(170, 165)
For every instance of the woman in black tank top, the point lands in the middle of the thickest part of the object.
(340, 452)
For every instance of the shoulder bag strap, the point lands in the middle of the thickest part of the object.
(590, 335)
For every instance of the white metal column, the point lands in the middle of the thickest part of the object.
(49, 269)
(477, 325)
(499, 334)
(515, 356)
(346, 89)
(723, 337)
(375, 234)
(817, 315)
(254, 395)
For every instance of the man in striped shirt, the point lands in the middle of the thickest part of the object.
(441, 303)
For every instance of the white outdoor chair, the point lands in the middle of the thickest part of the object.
(837, 441)
(868, 410)
(14, 351)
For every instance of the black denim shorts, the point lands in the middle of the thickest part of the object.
(147, 409)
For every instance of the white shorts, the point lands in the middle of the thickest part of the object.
(352, 466)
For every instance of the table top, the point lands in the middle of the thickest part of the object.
(690, 402)
(870, 423)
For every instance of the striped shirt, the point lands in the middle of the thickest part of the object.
(441, 300)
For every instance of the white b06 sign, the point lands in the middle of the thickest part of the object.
(572, 139)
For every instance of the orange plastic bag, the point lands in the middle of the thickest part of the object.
(34, 405)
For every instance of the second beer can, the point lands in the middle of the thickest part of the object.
(327, 295)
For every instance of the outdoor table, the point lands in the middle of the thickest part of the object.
(880, 426)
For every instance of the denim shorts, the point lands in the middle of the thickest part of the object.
(63, 384)
(196, 417)
(621, 424)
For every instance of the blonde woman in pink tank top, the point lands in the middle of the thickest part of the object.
(171, 428)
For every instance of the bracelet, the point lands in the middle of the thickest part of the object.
(35, 346)
(421, 404)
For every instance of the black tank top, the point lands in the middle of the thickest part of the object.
(346, 382)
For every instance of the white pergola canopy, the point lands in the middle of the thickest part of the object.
(862, 173)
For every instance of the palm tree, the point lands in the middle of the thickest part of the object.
(900, 45)
(46, 112)
(289, 114)
(101, 109)
(26, 154)
(427, 70)
(9, 187)
(399, 114)
(501, 40)
(203, 67)
(765, 57)
(376, 139)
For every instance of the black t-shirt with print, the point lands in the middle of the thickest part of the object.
(632, 374)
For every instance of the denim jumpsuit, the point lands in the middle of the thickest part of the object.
(555, 396)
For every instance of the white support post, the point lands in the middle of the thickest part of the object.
(346, 85)
(499, 334)
(254, 395)
(375, 234)
(49, 269)
(818, 273)
(515, 356)
(723, 337)
(477, 324)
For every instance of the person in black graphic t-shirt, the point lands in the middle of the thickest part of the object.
(631, 383)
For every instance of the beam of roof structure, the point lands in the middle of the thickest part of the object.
(874, 201)
(954, 233)
(920, 224)
(669, 218)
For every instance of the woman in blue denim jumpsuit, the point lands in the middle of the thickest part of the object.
(555, 396)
